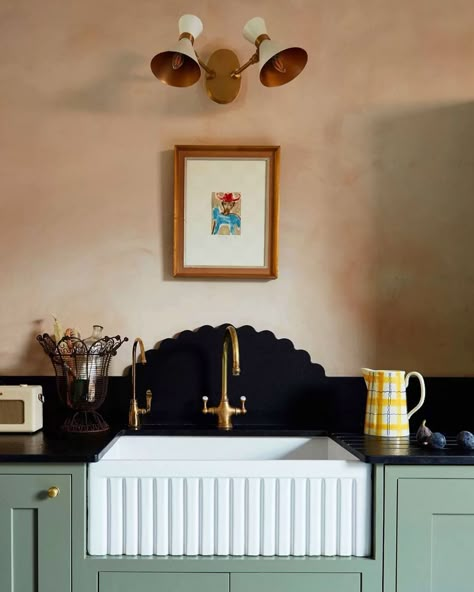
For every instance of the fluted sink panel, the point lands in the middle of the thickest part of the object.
(300, 513)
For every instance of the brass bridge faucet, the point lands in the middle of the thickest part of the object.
(135, 411)
(224, 411)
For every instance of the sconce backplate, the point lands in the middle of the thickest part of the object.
(222, 88)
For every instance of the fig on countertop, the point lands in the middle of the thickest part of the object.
(465, 440)
(437, 440)
(423, 433)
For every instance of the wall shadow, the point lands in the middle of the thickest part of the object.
(424, 239)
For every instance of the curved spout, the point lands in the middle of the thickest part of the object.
(230, 336)
(139, 342)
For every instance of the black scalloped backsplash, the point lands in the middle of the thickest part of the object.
(278, 380)
(282, 385)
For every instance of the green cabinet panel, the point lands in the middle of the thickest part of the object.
(435, 543)
(429, 528)
(163, 582)
(296, 582)
(35, 533)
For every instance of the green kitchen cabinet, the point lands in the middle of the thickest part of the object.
(296, 582)
(165, 582)
(429, 529)
(423, 536)
(35, 532)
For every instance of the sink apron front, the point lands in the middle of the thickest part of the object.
(229, 497)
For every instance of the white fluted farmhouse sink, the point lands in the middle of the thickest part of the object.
(173, 495)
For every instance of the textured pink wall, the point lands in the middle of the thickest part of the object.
(377, 179)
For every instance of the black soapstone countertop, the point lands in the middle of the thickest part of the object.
(84, 448)
(403, 451)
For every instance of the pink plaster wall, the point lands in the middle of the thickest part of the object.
(377, 177)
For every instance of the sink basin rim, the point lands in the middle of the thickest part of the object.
(210, 449)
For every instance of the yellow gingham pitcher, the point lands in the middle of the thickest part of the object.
(386, 411)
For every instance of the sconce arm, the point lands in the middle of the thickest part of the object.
(250, 62)
(210, 73)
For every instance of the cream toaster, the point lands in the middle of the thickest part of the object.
(21, 408)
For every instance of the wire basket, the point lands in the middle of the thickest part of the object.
(82, 377)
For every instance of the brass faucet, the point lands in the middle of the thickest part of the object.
(135, 411)
(224, 411)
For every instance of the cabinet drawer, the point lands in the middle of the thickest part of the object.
(295, 582)
(163, 582)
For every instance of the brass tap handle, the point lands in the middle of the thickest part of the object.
(242, 410)
(135, 411)
(147, 409)
(206, 409)
(149, 397)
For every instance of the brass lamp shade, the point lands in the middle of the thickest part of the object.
(279, 66)
(178, 66)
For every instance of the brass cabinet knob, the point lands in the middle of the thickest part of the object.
(53, 492)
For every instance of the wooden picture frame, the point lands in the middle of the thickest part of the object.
(226, 207)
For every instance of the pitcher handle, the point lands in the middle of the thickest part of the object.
(423, 391)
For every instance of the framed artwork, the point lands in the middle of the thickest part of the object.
(226, 211)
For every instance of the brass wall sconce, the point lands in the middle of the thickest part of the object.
(181, 65)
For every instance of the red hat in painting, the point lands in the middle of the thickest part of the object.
(228, 197)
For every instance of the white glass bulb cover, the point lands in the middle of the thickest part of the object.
(189, 23)
(253, 28)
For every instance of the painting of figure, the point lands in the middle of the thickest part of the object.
(226, 213)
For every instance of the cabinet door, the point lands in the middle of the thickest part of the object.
(35, 533)
(163, 582)
(295, 582)
(435, 550)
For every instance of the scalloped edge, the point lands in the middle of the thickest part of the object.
(281, 340)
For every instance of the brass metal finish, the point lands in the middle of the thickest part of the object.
(252, 60)
(272, 153)
(210, 73)
(135, 411)
(222, 87)
(164, 67)
(53, 492)
(283, 67)
(261, 38)
(224, 411)
(182, 66)
(186, 36)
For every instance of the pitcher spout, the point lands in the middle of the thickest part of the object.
(366, 372)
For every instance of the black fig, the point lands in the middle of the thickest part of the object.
(437, 440)
(465, 439)
(423, 433)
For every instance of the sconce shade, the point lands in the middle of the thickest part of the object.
(186, 74)
(254, 28)
(278, 64)
(189, 23)
(179, 66)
